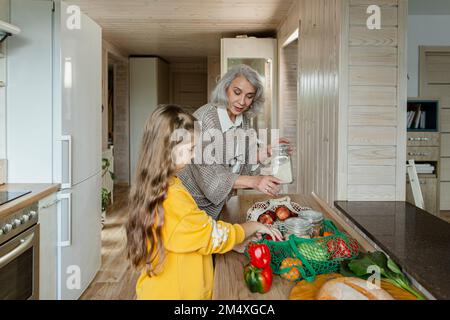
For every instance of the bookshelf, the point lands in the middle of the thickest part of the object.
(423, 115)
(423, 146)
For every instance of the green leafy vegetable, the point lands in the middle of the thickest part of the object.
(389, 271)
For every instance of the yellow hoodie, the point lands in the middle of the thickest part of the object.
(190, 238)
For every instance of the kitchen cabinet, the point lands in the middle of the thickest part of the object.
(429, 187)
(424, 147)
(48, 248)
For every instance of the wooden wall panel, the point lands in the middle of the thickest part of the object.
(373, 96)
(377, 2)
(373, 175)
(372, 116)
(373, 76)
(362, 36)
(371, 193)
(371, 156)
(445, 120)
(372, 136)
(358, 16)
(373, 56)
(318, 97)
(189, 82)
(376, 82)
(351, 100)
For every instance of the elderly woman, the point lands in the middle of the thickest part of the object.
(238, 96)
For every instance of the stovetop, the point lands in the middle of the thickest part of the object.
(8, 196)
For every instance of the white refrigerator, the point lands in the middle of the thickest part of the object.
(56, 84)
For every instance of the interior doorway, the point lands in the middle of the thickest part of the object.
(288, 107)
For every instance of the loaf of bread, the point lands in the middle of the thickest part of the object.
(351, 289)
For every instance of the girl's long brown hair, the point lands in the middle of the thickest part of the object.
(154, 169)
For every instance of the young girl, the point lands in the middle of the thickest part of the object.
(168, 236)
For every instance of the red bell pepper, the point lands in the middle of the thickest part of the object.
(259, 255)
(257, 279)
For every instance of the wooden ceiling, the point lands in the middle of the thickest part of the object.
(181, 28)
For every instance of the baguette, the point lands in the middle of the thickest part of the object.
(348, 288)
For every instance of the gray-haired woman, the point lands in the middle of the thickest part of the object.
(238, 96)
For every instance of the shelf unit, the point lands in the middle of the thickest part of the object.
(423, 145)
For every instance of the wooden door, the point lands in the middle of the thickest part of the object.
(435, 82)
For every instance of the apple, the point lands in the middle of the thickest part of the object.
(272, 214)
(265, 219)
(282, 213)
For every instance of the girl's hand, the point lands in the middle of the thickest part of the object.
(273, 232)
(242, 246)
(267, 184)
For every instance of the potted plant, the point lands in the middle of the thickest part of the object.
(106, 194)
(106, 199)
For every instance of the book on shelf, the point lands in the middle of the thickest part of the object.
(425, 168)
(411, 115)
(422, 120)
(417, 119)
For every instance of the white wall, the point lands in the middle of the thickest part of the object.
(143, 101)
(4, 15)
(428, 30)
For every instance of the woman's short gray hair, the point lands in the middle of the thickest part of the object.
(219, 94)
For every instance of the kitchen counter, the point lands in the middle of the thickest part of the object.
(38, 192)
(229, 268)
(416, 240)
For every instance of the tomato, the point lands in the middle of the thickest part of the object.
(338, 248)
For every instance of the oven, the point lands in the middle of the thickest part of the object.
(19, 255)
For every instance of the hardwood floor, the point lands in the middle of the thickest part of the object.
(445, 215)
(116, 279)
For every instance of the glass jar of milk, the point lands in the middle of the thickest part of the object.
(282, 164)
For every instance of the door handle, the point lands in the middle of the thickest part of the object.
(24, 245)
(68, 242)
(68, 184)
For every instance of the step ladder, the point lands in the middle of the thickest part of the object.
(415, 184)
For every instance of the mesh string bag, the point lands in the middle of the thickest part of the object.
(317, 255)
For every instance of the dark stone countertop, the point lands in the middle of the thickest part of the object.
(415, 239)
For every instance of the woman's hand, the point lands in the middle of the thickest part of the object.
(267, 184)
(281, 141)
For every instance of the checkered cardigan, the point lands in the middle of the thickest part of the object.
(212, 185)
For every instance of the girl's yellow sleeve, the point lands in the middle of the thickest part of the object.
(196, 231)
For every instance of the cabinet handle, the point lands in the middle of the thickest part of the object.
(419, 154)
(49, 205)
(419, 139)
(422, 182)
